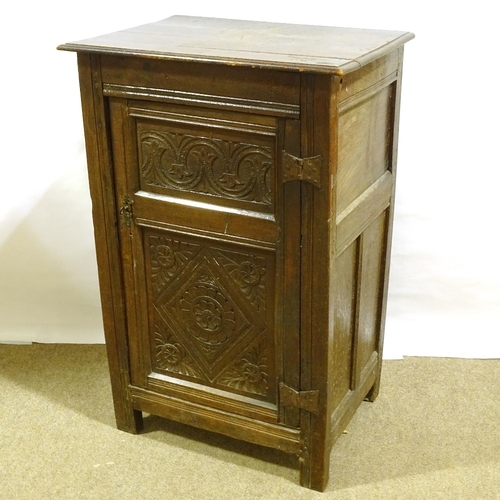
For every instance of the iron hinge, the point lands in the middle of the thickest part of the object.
(302, 169)
(304, 400)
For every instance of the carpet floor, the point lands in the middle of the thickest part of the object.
(433, 433)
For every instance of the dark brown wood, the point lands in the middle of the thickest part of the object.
(108, 253)
(242, 177)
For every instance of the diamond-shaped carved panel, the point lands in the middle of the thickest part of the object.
(208, 313)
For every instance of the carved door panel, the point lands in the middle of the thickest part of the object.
(209, 255)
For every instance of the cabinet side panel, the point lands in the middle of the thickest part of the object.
(368, 109)
(381, 70)
(345, 277)
(365, 145)
(370, 293)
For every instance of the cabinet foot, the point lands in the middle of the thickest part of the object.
(315, 469)
(131, 422)
(373, 392)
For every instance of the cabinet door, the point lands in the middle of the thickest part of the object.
(210, 255)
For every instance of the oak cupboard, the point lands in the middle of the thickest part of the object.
(242, 177)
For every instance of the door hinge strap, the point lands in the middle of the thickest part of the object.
(304, 400)
(126, 210)
(302, 169)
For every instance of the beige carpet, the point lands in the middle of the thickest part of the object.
(433, 433)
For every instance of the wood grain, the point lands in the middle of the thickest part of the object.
(226, 275)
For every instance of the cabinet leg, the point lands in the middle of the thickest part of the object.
(315, 465)
(373, 392)
(315, 475)
(129, 420)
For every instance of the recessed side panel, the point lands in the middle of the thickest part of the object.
(365, 141)
(373, 242)
(359, 274)
(345, 309)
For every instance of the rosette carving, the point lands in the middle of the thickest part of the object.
(249, 273)
(167, 257)
(249, 374)
(171, 356)
(208, 315)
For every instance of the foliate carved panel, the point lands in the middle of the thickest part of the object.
(249, 373)
(248, 273)
(170, 355)
(206, 165)
(209, 314)
(167, 257)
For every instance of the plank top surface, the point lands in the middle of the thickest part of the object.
(248, 43)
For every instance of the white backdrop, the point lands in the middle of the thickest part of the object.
(445, 280)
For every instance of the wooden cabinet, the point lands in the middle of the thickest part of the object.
(242, 178)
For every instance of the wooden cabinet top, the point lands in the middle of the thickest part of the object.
(248, 43)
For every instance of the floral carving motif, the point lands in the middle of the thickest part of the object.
(211, 302)
(208, 314)
(167, 257)
(249, 273)
(206, 165)
(249, 374)
(171, 356)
